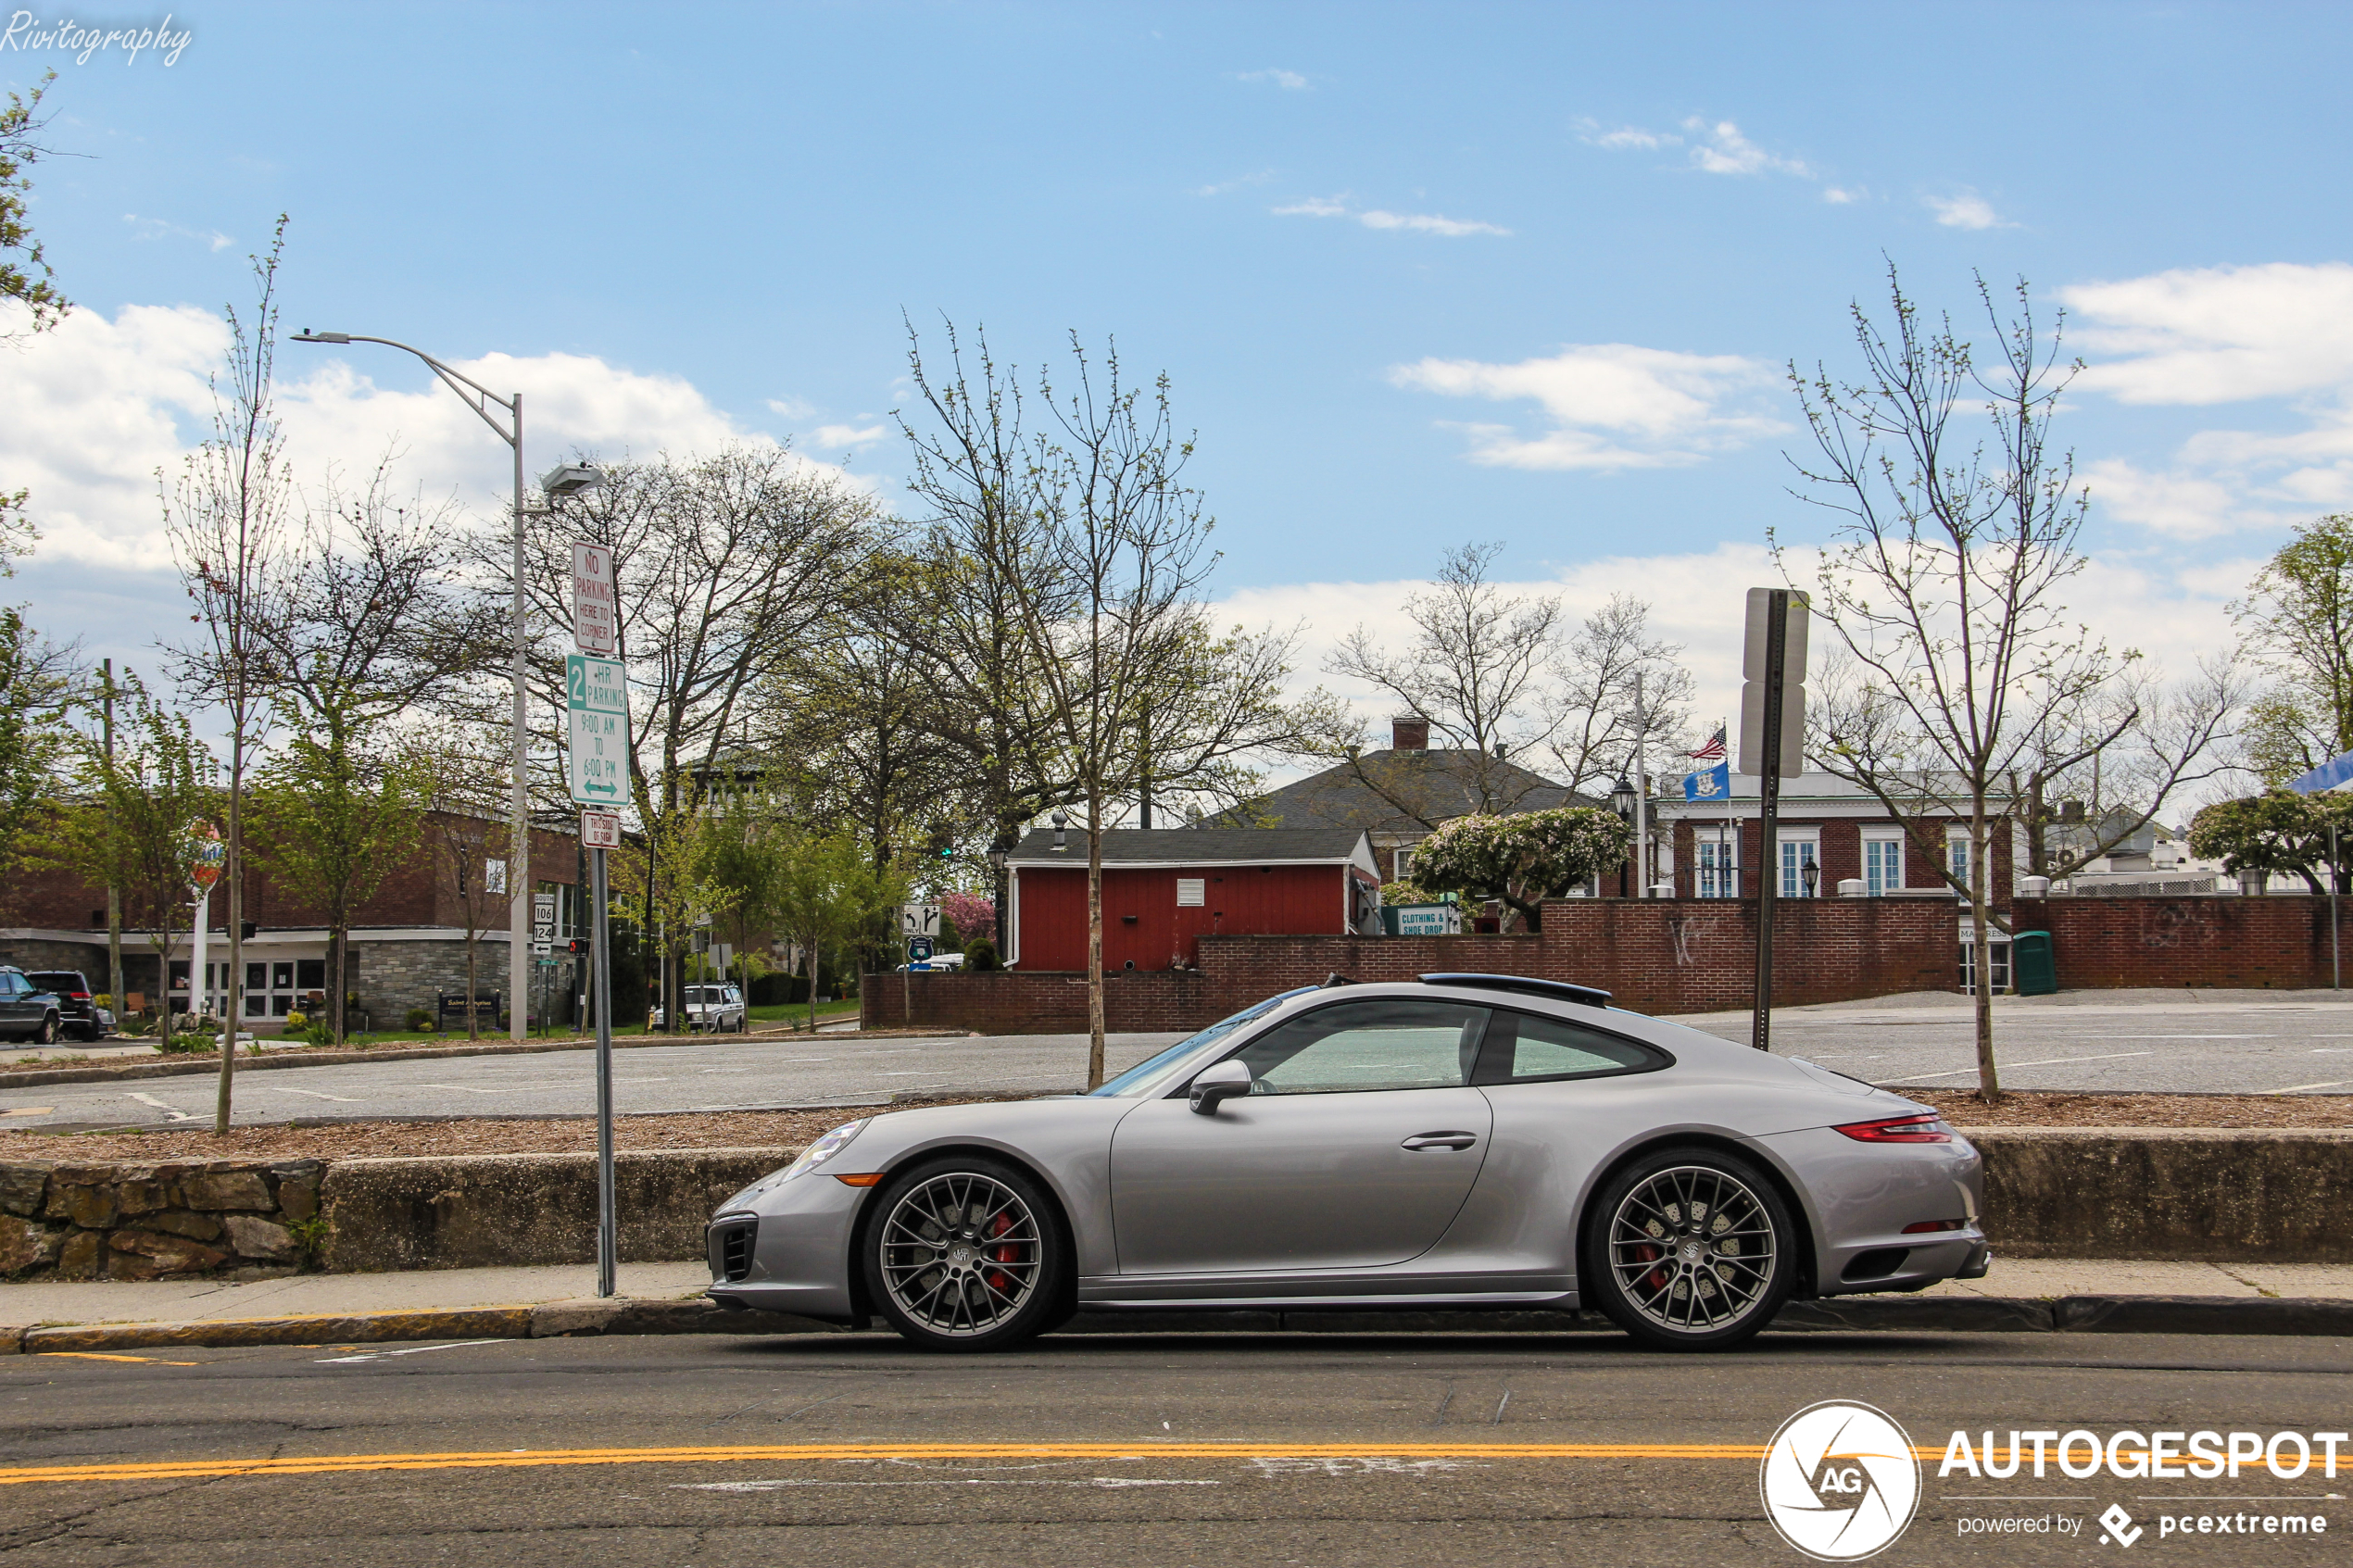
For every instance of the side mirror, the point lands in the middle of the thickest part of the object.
(1224, 1080)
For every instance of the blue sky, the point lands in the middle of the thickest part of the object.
(1421, 274)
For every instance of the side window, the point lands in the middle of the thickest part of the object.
(1393, 1043)
(1524, 1048)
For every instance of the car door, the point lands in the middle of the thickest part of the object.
(1355, 1150)
(16, 1013)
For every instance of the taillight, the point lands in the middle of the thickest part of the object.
(1923, 1227)
(1916, 1128)
(77, 996)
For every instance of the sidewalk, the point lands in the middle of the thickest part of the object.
(453, 1290)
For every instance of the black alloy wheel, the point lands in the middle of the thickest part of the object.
(968, 1253)
(1689, 1249)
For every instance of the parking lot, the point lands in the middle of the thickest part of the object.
(2299, 1043)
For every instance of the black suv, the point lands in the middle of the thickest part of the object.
(26, 1010)
(78, 1013)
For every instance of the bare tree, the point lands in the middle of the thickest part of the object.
(228, 523)
(1619, 686)
(1942, 576)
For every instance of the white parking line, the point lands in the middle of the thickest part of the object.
(412, 1350)
(309, 1094)
(2299, 1088)
(173, 1111)
(2006, 1066)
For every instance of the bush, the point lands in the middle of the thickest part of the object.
(419, 1018)
(297, 1022)
(981, 957)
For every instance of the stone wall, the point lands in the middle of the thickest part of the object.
(243, 1218)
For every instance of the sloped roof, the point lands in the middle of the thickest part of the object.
(1202, 846)
(1399, 792)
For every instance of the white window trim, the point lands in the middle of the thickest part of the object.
(1793, 884)
(1882, 835)
(1402, 861)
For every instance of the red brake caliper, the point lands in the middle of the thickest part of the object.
(1005, 1254)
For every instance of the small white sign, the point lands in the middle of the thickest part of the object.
(542, 949)
(1429, 920)
(601, 830)
(919, 919)
(594, 614)
(494, 876)
(543, 906)
(1192, 892)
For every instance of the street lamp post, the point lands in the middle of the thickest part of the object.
(1621, 800)
(482, 399)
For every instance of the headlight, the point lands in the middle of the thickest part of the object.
(816, 1154)
(825, 1149)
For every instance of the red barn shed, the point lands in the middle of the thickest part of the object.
(1164, 889)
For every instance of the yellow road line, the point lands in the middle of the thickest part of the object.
(201, 1469)
(99, 1356)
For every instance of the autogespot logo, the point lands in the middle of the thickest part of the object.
(1839, 1481)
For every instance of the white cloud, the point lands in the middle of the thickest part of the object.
(1626, 138)
(1840, 195)
(1290, 81)
(145, 229)
(1719, 148)
(1696, 597)
(2196, 337)
(1238, 183)
(1966, 210)
(91, 411)
(792, 408)
(1427, 223)
(833, 436)
(2219, 334)
(1612, 405)
(1416, 222)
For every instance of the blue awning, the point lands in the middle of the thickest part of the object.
(2332, 774)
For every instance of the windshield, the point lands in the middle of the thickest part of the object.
(1136, 1077)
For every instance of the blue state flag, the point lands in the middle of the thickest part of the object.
(1715, 783)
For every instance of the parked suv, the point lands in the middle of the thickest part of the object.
(716, 1009)
(78, 1013)
(27, 1012)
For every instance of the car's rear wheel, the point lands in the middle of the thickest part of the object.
(967, 1254)
(1690, 1249)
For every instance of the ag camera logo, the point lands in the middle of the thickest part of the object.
(1839, 1481)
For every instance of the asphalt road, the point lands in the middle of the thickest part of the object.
(2236, 1046)
(732, 1073)
(1213, 1449)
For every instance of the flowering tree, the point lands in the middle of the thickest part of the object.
(973, 916)
(1525, 858)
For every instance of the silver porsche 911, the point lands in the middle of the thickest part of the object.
(1466, 1141)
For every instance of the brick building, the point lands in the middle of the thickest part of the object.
(407, 941)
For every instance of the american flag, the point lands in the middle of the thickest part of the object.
(1714, 750)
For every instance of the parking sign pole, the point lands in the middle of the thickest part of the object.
(608, 1233)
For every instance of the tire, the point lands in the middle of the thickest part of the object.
(967, 1254)
(1690, 1249)
(47, 1034)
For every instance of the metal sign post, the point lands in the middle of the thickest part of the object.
(608, 1225)
(1772, 743)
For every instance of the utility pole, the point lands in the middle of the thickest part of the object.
(1772, 731)
(114, 889)
(1641, 791)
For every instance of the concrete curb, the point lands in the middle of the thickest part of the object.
(593, 1318)
(210, 1063)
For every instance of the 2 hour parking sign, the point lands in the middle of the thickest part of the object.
(596, 698)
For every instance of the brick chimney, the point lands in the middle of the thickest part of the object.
(1409, 734)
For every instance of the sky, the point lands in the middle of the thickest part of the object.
(1419, 275)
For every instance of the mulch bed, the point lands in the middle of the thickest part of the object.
(1963, 1109)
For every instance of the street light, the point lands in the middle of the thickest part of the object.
(1810, 873)
(1621, 800)
(481, 401)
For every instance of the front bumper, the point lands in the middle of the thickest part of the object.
(788, 1251)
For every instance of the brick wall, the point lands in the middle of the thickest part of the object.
(1667, 956)
(2274, 941)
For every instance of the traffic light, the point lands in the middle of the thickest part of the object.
(943, 845)
(577, 946)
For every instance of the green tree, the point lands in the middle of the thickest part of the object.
(2297, 619)
(1523, 859)
(333, 811)
(827, 894)
(2278, 832)
(25, 276)
(130, 821)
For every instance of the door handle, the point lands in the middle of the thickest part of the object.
(1442, 1140)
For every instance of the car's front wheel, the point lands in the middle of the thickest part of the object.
(47, 1034)
(1690, 1249)
(967, 1254)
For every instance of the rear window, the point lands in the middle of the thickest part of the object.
(1524, 1047)
(56, 980)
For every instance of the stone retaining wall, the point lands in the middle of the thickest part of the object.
(2122, 1193)
(243, 1218)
